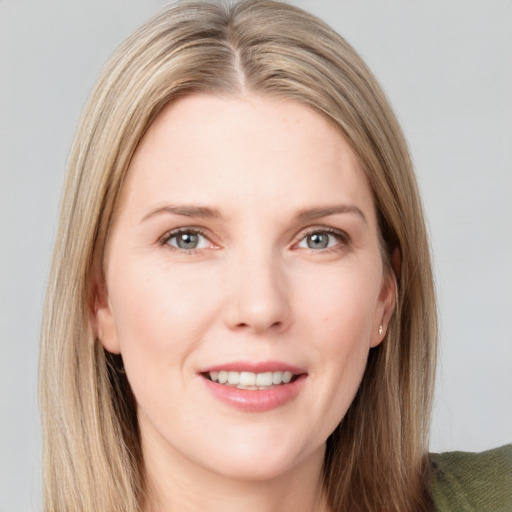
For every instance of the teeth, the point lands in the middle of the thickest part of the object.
(266, 379)
(277, 377)
(247, 379)
(250, 380)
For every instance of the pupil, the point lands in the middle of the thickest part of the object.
(187, 241)
(318, 241)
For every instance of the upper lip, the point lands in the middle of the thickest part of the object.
(254, 367)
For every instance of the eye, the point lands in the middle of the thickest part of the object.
(187, 240)
(321, 240)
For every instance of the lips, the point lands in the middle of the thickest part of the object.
(254, 387)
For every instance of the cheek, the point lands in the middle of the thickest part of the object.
(339, 313)
(154, 302)
(342, 303)
(160, 317)
(343, 339)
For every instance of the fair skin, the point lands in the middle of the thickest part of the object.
(246, 240)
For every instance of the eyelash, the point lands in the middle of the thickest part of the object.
(164, 241)
(342, 236)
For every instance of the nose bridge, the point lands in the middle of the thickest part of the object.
(258, 298)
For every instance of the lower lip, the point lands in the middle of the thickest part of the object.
(256, 400)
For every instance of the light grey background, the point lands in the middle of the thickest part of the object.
(447, 68)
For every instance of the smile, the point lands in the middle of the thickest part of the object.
(250, 380)
(254, 387)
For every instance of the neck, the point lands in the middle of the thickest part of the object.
(187, 488)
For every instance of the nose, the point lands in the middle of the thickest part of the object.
(258, 295)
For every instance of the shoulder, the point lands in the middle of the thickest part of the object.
(467, 482)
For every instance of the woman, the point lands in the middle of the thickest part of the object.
(241, 309)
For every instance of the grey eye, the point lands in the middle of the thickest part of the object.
(187, 240)
(318, 240)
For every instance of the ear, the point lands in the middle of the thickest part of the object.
(387, 299)
(102, 317)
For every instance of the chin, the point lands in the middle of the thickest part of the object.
(244, 460)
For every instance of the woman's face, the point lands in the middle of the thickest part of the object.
(245, 248)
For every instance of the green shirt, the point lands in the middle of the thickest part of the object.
(472, 482)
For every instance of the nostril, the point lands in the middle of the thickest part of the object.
(273, 326)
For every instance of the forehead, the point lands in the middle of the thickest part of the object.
(205, 148)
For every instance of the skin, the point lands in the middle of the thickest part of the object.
(256, 288)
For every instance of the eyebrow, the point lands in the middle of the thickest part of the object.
(207, 212)
(318, 213)
(204, 212)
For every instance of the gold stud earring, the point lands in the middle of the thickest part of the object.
(380, 330)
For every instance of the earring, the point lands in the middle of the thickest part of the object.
(380, 330)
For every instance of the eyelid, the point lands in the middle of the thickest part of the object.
(164, 240)
(342, 235)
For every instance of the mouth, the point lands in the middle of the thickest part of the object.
(250, 380)
(254, 387)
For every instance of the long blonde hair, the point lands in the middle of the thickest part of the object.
(375, 459)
